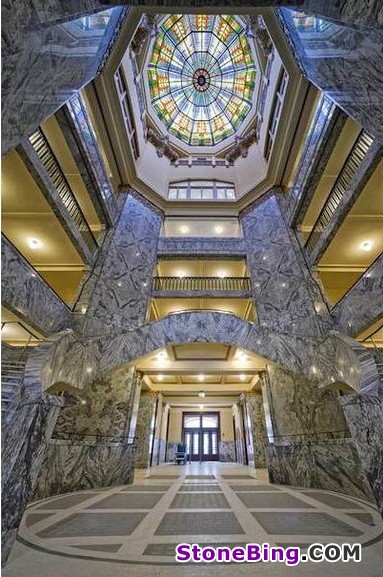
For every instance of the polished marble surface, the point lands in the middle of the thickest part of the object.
(236, 507)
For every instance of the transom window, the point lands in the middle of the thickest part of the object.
(201, 190)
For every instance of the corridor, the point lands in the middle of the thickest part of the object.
(103, 531)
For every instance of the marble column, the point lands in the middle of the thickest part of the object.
(280, 293)
(25, 438)
(144, 429)
(258, 429)
(125, 270)
(90, 445)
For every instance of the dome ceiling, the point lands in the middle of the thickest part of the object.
(201, 77)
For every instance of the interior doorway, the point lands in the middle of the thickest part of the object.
(200, 434)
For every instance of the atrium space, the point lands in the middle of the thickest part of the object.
(192, 288)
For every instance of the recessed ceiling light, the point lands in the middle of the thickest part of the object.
(201, 377)
(242, 377)
(201, 394)
(222, 274)
(160, 377)
(366, 245)
(181, 274)
(162, 355)
(34, 243)
(241, 355)
(184, 229)
(201, 407)
(218, 229)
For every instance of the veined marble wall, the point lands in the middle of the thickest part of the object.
(364, 415)
(202, 246)
(77, 465)
(280, 293)
(258, 428)
(144, 430)
(24, 443)
(25, 293)
(332, 465)
(343, 62)
(46, 60)
(363, 304)
(102, 411)
(298, 407)
(121, 294)
(226, 451)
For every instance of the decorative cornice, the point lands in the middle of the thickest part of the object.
(162, 145)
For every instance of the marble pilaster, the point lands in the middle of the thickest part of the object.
(258, 429)
(144, 430)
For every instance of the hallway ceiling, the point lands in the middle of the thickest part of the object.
(213, 368)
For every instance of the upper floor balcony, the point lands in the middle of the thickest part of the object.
(211, 286)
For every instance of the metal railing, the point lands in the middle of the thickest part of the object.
(195, 283)
(340, 188)
(51, 165)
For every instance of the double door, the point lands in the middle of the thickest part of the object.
(201, 445)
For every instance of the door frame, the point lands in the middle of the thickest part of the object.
(201, 414)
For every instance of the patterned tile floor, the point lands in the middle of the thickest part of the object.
(206, 504)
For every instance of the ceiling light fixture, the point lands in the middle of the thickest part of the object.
(201, 407)
(222, 274)
(218, 229)
(181, 274)
(161, 355)
(34, 243)
(201, 377)
(160, 377)
(366, 245)
(201, 394)
(242, 377)
(184, 229)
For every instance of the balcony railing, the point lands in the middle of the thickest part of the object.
(51, 165)
(199, 283)
(340, 188)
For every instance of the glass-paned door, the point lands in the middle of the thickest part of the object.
(201, 436)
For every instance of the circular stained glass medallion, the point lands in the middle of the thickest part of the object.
(201, 77)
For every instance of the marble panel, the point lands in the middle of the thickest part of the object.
(144, 430)
(332, 465)
(363, 304)
(24, 443)
(256, 414)
(226, 451)
(45, 65)
(364, 415)
(280, 292)
(298, 407)
(26, 294)
(75, 465)
(203, 247)
(121, 294)
(343, 62)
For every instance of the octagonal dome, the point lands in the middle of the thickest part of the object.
(201, 77)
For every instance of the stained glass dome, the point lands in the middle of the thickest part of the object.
(201, 77)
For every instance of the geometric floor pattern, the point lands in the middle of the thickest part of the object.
(215, 503)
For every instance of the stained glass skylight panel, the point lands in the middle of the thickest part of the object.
(201, 77)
